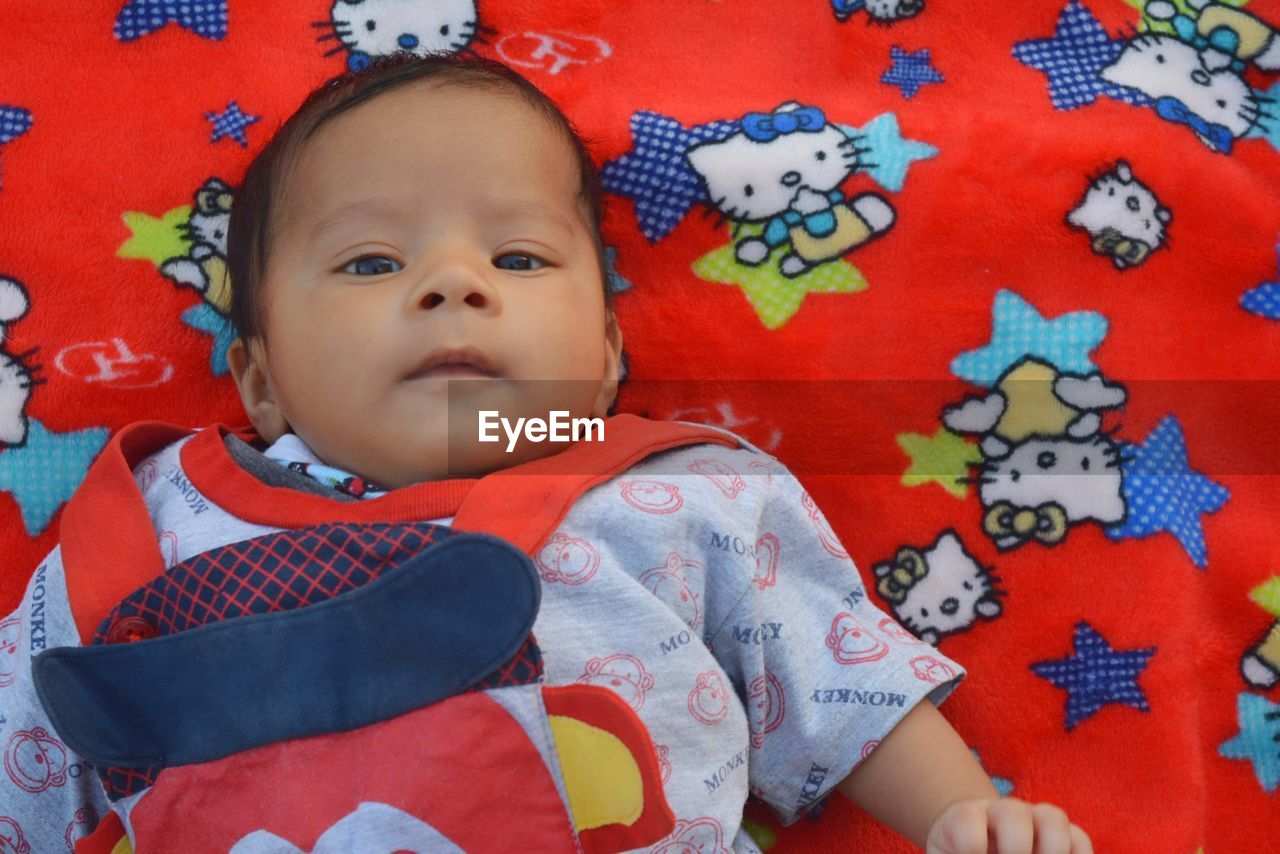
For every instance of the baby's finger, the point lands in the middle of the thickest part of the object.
(962, 830)
(1012, 830)
(1080, 842)
(1053, 829)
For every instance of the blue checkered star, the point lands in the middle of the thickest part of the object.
(1018, 330)
(14, 122)
(910, 71)
(1162, 493)
(138, 18)
(46, 469)
(1258, 740)
(1264, 299)
(887, 151)
(1096, 675)
(232, 123)
(656, 175)
(1073, 59)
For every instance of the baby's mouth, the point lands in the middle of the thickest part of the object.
(455, 363)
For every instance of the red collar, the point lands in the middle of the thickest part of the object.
(109, 545)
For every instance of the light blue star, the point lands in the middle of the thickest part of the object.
(46, 469)
(1004, 786)
(655, 173)
(1264, 299)
(1162, 493)
(1258, 740)
(616, 282)
(1074, 58)
(1018, 330)
(910, 71)
(1268, 126)
(232, 123)
(138, 18)
(1096, 675)
(206, 318)
(890, 154)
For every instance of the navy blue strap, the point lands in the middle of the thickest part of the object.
(431, 628)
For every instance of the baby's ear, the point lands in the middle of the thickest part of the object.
(612, 366)
(247, 362)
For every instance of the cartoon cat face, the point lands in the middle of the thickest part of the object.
(894, 10)
(1162, 66)
(1083, 476)
(380, 27)
(954, 592)
(209, 229)
(749, 180)
(16, 377)
(1121, 202)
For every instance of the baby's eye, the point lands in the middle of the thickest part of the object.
(518, 261)
(370, 265)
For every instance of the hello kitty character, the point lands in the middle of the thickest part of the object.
(670, 583)
(767, 704)
(1198, 88)
(1046, 463)
(17, 377)
(1122, 215)
(884, 12)
(938, 591)
(784, 169)
(1227, 29)
(204, 267)
(369, 28)
(624, 674)
(567, 560)
(853, 643)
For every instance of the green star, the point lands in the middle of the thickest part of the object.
(943, 457)
(156, 240)
(775, 297)
(1267, 595)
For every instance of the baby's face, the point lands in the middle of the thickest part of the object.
(432, 223)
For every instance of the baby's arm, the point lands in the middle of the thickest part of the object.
(923, 782)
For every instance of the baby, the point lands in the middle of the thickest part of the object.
(420, 245)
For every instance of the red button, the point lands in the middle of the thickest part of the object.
(131, 628)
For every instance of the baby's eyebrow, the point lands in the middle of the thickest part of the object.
(513, 209)
(375, 208)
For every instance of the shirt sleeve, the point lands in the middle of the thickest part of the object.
(824, 673)
(50, 795)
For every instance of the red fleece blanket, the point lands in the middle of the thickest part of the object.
(999, 281)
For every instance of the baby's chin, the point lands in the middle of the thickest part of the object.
(461, 459)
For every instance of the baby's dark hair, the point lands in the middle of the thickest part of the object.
(256, 202)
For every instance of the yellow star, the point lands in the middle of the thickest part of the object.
(156, 240)
(943, 457)
(775, 297)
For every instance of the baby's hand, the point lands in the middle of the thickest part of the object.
(1005, 826)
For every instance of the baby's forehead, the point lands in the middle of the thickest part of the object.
(438, 145)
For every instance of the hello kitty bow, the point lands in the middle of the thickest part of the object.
(1173, 110)
(765, 127)
(896, 580)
